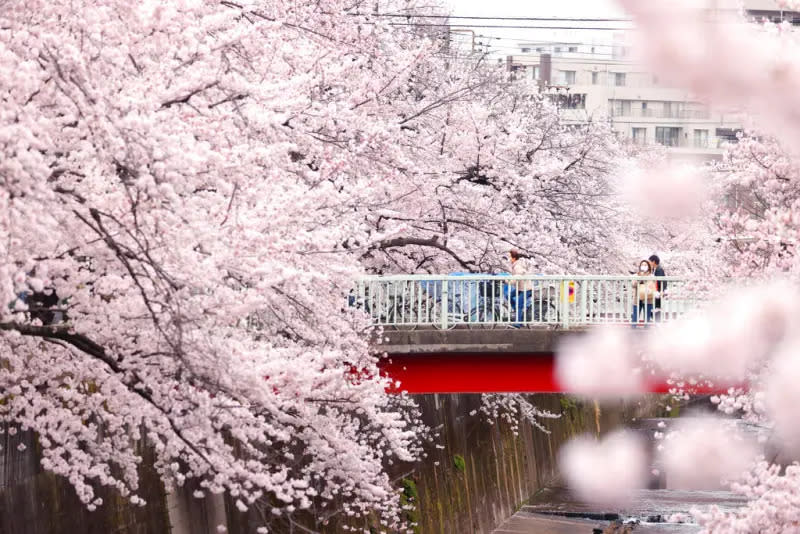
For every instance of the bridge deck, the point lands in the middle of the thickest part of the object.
(472, 340)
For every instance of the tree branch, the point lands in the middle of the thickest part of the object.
(185, 99)
(433, 242)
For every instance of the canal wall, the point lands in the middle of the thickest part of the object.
(33, 501)
(480, 471)
(476, 474)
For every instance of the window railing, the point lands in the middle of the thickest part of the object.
(488, 301)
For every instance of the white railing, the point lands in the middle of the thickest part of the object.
(486, 301)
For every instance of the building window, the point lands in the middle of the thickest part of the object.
(639, 136)
(726, 135)
(619, 79)
(568, 76)
(525, 50)
(539, 49)
(695, 110)
(701, 138)
(573, 49)
(557, 50)
(668, 135)
(535, 71)
(595, 78)
(619, 108)
(671, 110)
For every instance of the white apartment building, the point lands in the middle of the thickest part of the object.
(598, 82)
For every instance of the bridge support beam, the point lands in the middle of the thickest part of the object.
(471, 372)
(483, 372)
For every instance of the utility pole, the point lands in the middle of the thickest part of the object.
(545, 71)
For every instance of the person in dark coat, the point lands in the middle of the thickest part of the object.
(41, 304)
(661, 286)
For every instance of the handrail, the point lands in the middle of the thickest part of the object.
(503, 276)
(488, 301)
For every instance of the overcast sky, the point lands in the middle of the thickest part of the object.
(537, 8)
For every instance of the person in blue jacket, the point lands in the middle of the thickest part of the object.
(523, 288)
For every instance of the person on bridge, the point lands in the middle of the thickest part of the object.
(644, 292)
(523, 289)
(661, 286)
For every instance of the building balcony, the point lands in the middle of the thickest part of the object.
(686, 145)
(679, 114)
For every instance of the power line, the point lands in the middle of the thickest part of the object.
(509, 27)
(582, 57)
(515, 51)
(546, 42)
(464, 17)
(577, 61)
(530, 62)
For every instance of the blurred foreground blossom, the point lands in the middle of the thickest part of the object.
(704, 452)
(605, 472)
(730, 336)
(693, 45)
(664, 191)
(782, 397)
(599, 364)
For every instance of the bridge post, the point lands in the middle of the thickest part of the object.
(444, 303)
(565, 304)
(361, 295)
(584, 291)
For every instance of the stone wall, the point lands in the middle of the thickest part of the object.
(474, 477)
(480, 473)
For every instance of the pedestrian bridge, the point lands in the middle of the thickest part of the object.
(477, 333)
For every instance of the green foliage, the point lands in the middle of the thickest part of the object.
(674, 407)
(409, 498)
(410, 489)
(459, 463)
(567, 404)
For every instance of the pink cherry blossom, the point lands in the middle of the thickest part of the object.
(605, 472)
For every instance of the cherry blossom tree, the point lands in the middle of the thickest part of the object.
(188, 190)
(756, 212)
(501, 170)
(187, 177)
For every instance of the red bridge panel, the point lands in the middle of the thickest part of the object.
(487, 373)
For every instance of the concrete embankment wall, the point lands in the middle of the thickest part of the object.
(33, 501)
(476, 474)
(481, 473)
